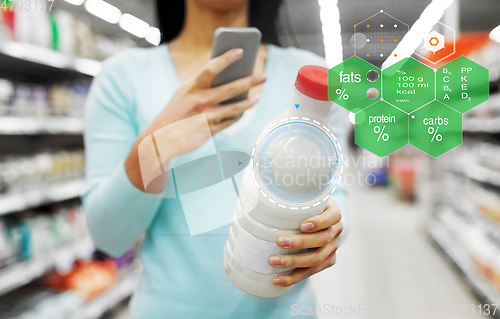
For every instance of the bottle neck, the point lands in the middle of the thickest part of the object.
(321, 109)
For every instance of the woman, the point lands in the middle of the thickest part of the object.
(143, 90)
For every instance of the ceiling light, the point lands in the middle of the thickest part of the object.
(154, 36)
(75, 2)
(103, 10)
(332, 38)
(134, 25)
(495, 34)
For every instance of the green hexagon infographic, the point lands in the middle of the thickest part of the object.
(381, 128)
(435, 128)
(462, 84)
(415, 104)
(408, 84)
(354, 84)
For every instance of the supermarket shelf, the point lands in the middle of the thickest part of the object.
(482, 125)
(33, 126)
(465, 208)
(109, 299)
(491, 229)
(482, 174)
(16, 276)
(481, 286)
(16, 202)
(462, 207)
(47, 57)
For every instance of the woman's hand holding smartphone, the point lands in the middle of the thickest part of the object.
(193, 98)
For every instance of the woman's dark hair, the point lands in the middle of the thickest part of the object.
(263, 15)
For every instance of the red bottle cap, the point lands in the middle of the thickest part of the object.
(312, 81)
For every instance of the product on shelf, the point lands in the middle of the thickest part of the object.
(63, 40)
(487, 156)
(6, 245)
(68, 99)
(33, 235)
(376, 169)
(88, 279)
(486, 202)
(30, 101)
(403, 172)
(33, 26)
(61, 239)
(39, 303)
(59, 30)
(78, 95)
(7, 25)
(66, 293)
(6, 96)
(475, 242)
(18, 174)
(39, 101)
(496, 270)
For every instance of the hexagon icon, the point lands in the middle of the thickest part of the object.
(408, 84)
(462, 84)
(435, 128)
(436, 50)
(377, 35)
(434, 41)
(354, 84)
(381, 128)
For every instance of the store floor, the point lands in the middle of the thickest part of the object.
(387, 268)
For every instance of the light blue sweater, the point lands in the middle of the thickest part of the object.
(183, 275)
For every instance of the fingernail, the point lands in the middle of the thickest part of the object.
(307, 226)
(275, 261)
(238, 53)
(278, 281)
(284, 242)
(256, 98)
(262, 77)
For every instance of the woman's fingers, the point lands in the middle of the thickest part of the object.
(213, 96)
(229, 90)
(319, 231)
(220, 113)
(223, 116)
(215, 66)
(303, 273)
(309, 259)
(313, 240)
(329, 217)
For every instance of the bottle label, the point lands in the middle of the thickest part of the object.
(253, 253)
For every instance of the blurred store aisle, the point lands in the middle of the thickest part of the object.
(389, 267)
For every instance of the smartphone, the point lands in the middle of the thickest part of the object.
(226, 39)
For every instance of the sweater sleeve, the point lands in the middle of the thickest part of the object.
(117, 212)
